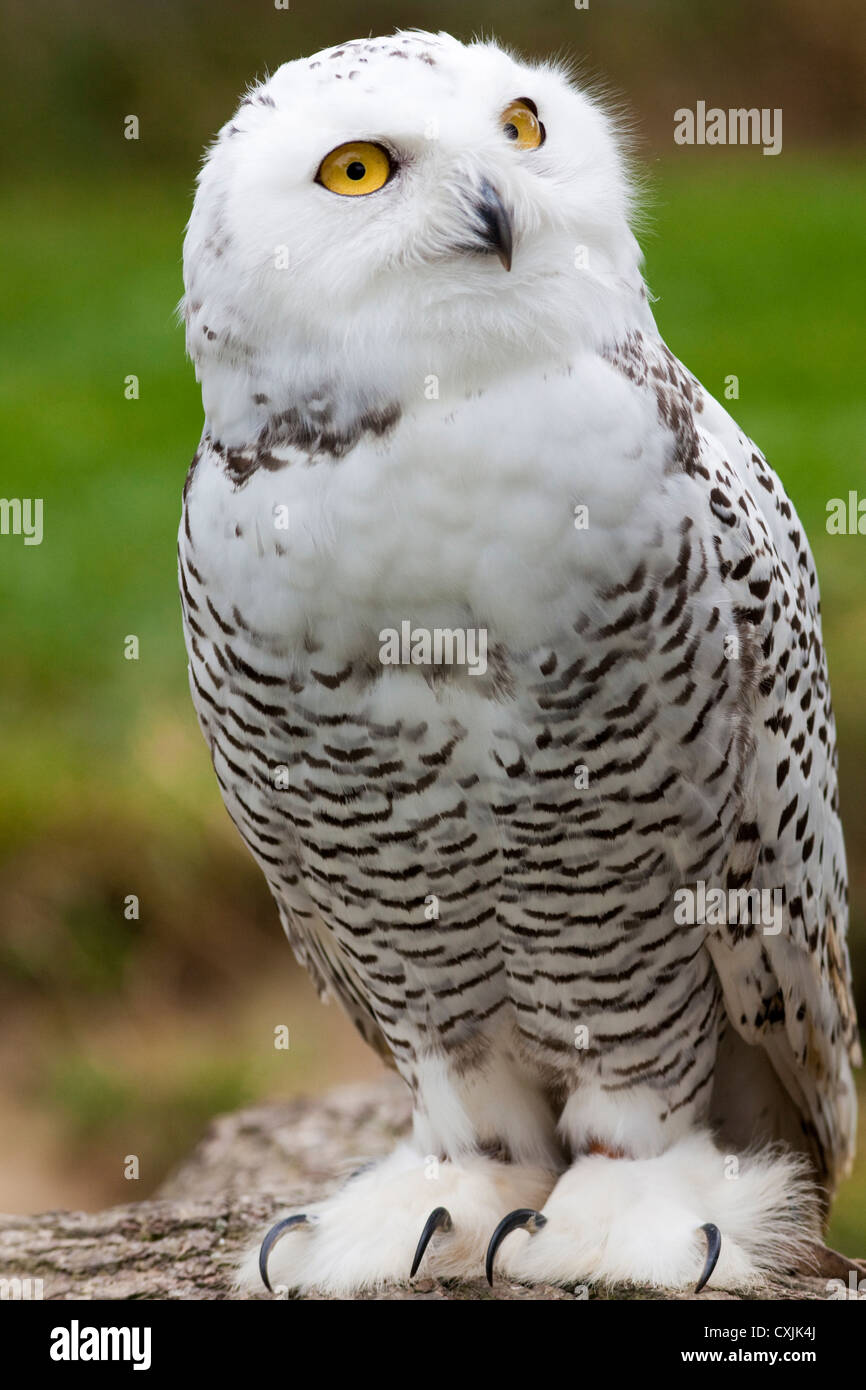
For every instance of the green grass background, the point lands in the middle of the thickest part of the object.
(758, 266)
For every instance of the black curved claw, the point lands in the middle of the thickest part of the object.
(523, 1219)
(714, 1249)
(438, 1220)
(270, 1240)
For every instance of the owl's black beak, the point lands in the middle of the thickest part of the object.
(493, 222)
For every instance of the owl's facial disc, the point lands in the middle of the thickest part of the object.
(358, 168)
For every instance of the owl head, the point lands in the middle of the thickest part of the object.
(398, 208)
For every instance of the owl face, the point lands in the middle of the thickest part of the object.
(392, 202)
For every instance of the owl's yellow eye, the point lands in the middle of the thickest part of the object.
(359, 167)
(520, 122)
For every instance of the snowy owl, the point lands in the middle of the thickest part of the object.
(506, 644)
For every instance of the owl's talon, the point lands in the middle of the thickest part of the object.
(438, 1220)
(288, 1223)
(523, 1219)
(714, 1249)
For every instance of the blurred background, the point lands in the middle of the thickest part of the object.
(123, 1034)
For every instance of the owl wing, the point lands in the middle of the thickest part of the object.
(787, 988)
(311, 943)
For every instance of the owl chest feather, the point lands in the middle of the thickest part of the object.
(506, 506)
